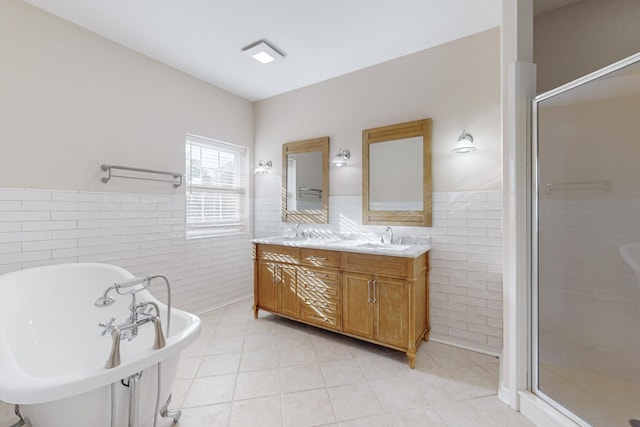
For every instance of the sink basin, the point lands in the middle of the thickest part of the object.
(383, 246)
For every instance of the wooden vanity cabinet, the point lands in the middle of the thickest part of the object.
(378, 298)
(377, 308)
(276, 279)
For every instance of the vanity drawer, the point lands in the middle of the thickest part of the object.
(330, 307)
(319, 290)
(278, 253)
(381, 265)
(319, 257)
(319, 276)
(322, 318)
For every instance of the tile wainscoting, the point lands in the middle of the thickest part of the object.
(144, 233)
(466, 259)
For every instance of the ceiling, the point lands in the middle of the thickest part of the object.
(321, 39)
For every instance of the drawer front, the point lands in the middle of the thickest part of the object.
(321, 318)
(278, 253)
(380, 265)
(319, 276)
(319, 258)
(319, 283)
(318, 290)
(326, 306)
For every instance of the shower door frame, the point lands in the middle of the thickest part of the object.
(534, 193)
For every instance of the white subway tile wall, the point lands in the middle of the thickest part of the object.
(145, 234)
(142, 233)
(466, 259)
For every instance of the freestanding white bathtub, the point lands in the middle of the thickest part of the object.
(52, 353)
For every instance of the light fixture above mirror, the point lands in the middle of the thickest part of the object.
(263, 167)
(341, 158)
(465, 144)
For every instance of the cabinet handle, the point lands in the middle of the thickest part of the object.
(314, 274)
(318, 290)
(322, 319)
(317, 304)
(316, 258)
(368, 290)
(275, 273)
(375, 284)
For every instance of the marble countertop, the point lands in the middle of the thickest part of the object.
(358, 246)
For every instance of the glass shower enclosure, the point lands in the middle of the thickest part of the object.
(586, 247)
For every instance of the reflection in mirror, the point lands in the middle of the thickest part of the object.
(396, 174)
(396, 188)
(305, 181)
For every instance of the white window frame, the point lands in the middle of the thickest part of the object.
(200, 223)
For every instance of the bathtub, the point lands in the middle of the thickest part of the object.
(52, 353)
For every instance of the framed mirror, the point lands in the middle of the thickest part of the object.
(305, 181)
(396, 174)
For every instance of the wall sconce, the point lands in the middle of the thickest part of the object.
(263, 167)
(465, 144)
(341, 158)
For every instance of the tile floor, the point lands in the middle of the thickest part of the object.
(272, 372)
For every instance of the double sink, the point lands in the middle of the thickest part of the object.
(349, 245)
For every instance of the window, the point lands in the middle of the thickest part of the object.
(216, 187)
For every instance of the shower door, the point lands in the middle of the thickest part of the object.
(586, 247)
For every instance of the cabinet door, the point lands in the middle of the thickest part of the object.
(357, 304)
(267, 290)
(287, 290)
(391, 311)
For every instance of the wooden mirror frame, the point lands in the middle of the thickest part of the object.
(320, 216)
(389, 133)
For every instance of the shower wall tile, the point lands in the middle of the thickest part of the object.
(466, 259)
(144, 233)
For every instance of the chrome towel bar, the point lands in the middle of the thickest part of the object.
(108, 168)
(587, 185)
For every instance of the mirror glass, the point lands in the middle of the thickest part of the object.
(396, 174)
(305, 181)
(392, 188)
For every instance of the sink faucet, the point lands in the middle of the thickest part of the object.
(140, 314)
(387, 236)
(298, 232)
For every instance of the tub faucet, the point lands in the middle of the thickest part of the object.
(140, 313)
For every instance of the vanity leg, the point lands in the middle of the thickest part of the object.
(255, 311)
(426, 334)
(412, 359)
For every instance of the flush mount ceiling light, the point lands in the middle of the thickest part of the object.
(341, 158)
(263, 167)
(465, 144)
(263, 52)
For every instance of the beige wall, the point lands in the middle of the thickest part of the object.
(583, 37)
(71, 100)
(456, 84)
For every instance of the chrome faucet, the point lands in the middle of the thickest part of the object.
(387, 236)
(140, 314)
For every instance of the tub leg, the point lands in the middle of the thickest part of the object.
(165, 412)
(23, 422)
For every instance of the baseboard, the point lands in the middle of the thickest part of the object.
(541, 413)
(207, 310)
(443, 339)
